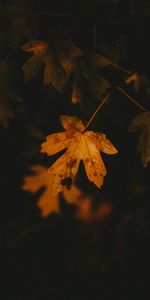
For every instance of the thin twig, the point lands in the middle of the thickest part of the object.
(96, 111)
(71, 29)
(11, 52)
(121, 69)
(132, 99)
(116, 66)
(107, 97)
(54, 14)
(94, 36)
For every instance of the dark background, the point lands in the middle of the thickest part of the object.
(61, 257)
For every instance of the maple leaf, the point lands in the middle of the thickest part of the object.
(58, 61)
(142, 122)
(23, 21)
(80, 146)
(48, 203)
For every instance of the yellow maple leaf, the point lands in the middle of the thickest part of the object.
(81, 145)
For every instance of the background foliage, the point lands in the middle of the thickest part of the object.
(69, 256)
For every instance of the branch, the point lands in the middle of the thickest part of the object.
(54, 14)
(132, 99)
(11, 52)
(71, 29)
(97, 110)
(94, 36)
(107, 97)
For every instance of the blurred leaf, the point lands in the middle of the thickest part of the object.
(58, 63)
(48, 203)
(141, 82)
(142, 122)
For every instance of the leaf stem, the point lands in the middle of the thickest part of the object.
(94, 36)
(54, 14)
(106, 98)
(132, 99)
(121, 69)
(71, 29)
(11, 52)
(97, 110)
